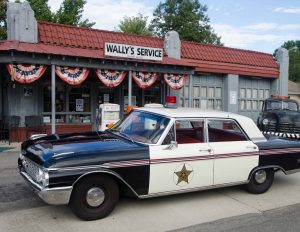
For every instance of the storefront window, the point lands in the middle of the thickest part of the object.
(79, 99)
(72, 103)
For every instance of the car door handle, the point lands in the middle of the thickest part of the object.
(205, 149)
(251, 147)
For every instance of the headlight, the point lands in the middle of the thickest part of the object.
(42, 177)
(265, 121)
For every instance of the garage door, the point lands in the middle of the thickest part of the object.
(252, 92)
(207, 92)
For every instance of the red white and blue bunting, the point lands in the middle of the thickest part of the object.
(72, 75)
(111, 78)
(175, 81)
(25, 73)
(144, 79)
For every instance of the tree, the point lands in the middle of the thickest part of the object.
(3, 26)
(70, 12)
(187, 17)
(294, 54)
(41, 10)
(135, 25)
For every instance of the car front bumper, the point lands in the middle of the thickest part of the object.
(52, 196)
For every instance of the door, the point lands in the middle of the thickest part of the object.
(234, 154)
(185, 165)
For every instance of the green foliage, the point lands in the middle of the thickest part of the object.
(135, 25)
(187, 17)
(294, 54)
(70, 12)
(41, 10)
(3, 7)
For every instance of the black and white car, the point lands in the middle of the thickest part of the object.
(154, 151)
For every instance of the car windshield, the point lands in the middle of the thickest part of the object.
(282, 105)
(141, 127)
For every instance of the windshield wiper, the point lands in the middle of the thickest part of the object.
(122, 134)
(113, 130)
(126, 136)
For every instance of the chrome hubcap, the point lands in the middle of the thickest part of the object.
(95, 197)
(260, 176)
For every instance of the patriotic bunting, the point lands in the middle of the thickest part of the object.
(175, 81)
(144, 79)
(72, 75)
(25, 73)
(111, 78)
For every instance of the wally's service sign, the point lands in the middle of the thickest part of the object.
(130, 51)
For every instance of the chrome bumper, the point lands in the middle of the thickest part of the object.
(52, 196)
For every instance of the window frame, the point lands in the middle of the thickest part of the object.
(190, 120)
(67, 102)
(226, 119)
(205, 135)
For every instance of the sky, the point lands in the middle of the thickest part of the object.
(259, 25)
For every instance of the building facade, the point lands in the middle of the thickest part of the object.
(63, 73)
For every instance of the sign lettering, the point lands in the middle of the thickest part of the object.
(135, 52)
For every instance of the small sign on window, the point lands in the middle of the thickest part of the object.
(79, 105)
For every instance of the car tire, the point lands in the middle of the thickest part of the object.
(94, 197)
(261, 180)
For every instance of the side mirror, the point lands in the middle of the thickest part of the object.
(172, 146)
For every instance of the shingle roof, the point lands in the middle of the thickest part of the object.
(78, 41)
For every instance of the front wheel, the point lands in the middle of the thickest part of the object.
(261, 180)
(94, 197)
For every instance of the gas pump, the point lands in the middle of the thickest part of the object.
(108, 113)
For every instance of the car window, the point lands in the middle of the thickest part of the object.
(170, 137)
(189, 131)
(224, 131)
(142, 127)
(282, 105)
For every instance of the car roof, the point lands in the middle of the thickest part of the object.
(188, 112)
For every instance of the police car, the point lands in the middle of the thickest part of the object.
(154, 151)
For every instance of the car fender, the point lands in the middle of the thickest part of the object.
(265, 167)
(106, 172)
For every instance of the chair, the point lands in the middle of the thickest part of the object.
(11, 123)
(34, 124)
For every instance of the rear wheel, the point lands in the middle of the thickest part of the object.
(94, 197)
(261, 180)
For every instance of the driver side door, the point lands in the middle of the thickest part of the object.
(183, 166)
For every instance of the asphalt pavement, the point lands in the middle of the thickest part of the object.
(232, 209)
(277, 220)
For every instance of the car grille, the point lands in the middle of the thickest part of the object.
(284, 128)
(31, 168)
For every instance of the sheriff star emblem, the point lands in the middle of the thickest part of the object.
(183, 174)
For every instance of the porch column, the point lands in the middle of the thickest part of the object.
(190, 90)
(52, 98)
(129, 87)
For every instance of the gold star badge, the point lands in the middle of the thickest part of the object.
(183, 175)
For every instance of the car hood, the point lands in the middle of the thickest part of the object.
(83, 149)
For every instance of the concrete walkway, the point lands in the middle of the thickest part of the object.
(14, 147)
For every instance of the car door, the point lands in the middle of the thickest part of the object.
(186, 164)
(234, 154)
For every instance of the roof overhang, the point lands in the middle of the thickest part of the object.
(14, 51)
(239, 69)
